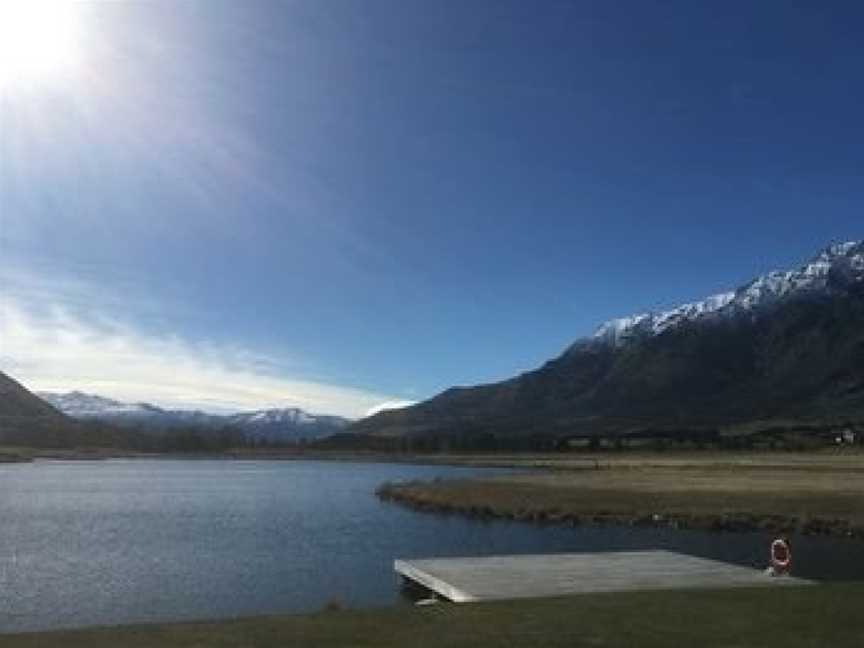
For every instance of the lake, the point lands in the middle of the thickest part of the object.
(120, 541)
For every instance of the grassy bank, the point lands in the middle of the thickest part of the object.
(821, 493)
(14, 456)
(553, 461)
(790, 617)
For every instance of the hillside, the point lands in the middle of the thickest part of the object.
(786, 346)
(17, 402)
(26, 419)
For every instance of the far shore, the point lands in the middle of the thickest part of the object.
(14, 457)
(552, 461)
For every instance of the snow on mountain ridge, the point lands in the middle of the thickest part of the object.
(80, 405)
(813, 276)
(287, 415)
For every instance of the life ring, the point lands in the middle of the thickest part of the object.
(781, 556)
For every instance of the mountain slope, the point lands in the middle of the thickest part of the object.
(272, 426)
(787, 345)
(26, 419)
(80, 405)
(18, 402)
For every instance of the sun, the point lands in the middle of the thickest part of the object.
(40, 40)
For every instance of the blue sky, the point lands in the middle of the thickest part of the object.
(337, 204)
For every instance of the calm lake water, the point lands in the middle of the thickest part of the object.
(84, 543)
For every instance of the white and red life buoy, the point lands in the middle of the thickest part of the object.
(781, 556)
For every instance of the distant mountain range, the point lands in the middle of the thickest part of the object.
(270, 425)
(786, 346)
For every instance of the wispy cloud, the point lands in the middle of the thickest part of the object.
(54, 348)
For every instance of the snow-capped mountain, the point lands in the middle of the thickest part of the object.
(843, 262)
(272, 425)
(269, 424)
(787, 346)
(80, 405)
(291, 415)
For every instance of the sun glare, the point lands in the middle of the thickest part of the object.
(40, 40)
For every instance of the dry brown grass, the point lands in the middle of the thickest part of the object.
(808, 492)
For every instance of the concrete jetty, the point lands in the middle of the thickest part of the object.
(511, 577)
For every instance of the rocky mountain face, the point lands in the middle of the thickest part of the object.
(786, 346)
(272, 426)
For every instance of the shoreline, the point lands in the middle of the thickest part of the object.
(552, 461)
(743, 521)
(14, 458)
(810, 495)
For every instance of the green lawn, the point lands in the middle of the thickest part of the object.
(788, 617)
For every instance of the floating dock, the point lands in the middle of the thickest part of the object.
(511, 577)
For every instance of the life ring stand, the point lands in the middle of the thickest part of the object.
(781, 556)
